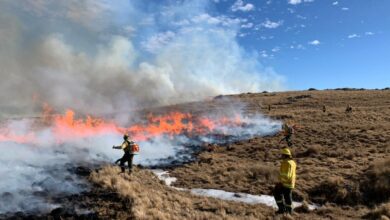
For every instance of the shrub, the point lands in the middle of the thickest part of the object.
(335, 190)
(376, 183)
(269, 173)
(379, 212)
(304, 208)
(310, 151)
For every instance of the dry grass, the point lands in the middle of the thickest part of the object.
(341, 163)
(376, 185)
(338, 157)
(333, 189)
(381, 212)
(336, 154)
(333, 144)
(151, 199)
(146, 197)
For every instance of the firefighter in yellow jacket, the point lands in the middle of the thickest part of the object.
(130, 149)
(283, 189)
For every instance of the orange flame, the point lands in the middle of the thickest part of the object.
(67, 127)
(8, 136)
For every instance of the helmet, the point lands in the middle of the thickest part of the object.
(286, 151)
(125, 136)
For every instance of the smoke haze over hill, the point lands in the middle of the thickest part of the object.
(97, 57)
(100, 58)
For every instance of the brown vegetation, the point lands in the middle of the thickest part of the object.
(143, 196)
(341, 161)
(334, 190)
(151, 199)
(335, 151)
(376, 182)
(381, 212)
(338, 157)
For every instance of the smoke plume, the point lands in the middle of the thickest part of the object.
(37, 161)
(102, 57)
(99, 56)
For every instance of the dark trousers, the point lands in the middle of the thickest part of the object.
(287, 138)
(127, 157)
(283, 198)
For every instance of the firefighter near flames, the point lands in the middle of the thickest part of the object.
(288, 131)
(130, 149)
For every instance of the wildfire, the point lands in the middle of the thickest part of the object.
(8, 136)
(67, 126)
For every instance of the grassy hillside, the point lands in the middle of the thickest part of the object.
(343, 164)
(343, 158)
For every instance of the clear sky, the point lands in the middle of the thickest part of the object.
(317, 43)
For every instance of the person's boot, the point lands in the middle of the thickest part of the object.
(288, 209)
(122, 170)
(281, 208)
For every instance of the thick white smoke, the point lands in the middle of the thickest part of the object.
(102, 56)
(106, 57)
(40, 169)
(35, 171)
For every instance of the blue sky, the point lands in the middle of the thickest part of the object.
(171, 51)
(317, 43)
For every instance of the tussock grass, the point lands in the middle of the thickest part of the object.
(376, 185)
(146, 197)
(338, 159)
(381, 212)
(334, 189)
(332, 144)
(151, 199)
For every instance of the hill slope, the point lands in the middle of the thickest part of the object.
(343, 158)
(336, 152)
(343, 165)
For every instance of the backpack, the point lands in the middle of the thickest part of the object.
(288, 130)
(134, 147)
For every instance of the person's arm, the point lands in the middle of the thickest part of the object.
(123, 146)
(293, 167)
(298, 127)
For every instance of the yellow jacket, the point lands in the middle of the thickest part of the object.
(287, 173)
